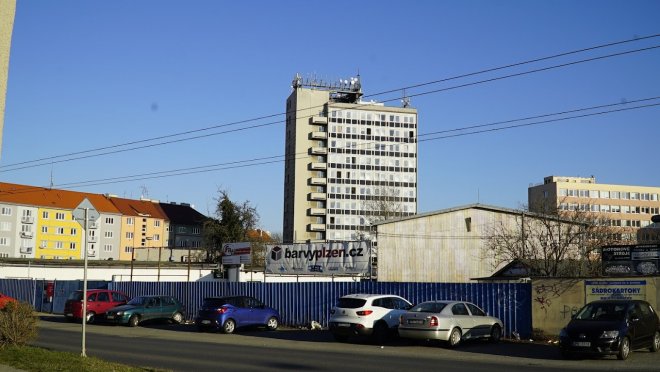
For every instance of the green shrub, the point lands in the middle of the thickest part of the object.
(18, 324)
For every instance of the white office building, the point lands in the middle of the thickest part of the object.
(348, 162)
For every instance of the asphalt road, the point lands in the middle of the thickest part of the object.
(182, 348)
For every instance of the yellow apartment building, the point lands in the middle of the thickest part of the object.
(143, 228)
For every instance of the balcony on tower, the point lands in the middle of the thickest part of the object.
(317, 135)
(317, 196)
(317, 181)
(318, 150)
(316, 211)
(318, 120)
(316, 227)
(318, 166)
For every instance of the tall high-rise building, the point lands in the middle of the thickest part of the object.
(7, 11)
(625, 208)
(348, 162)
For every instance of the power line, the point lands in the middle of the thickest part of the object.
(515, 64)
(279, 158)
(49, 160)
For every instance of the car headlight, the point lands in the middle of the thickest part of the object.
(120, 313)
(610, 334)
(563, 333)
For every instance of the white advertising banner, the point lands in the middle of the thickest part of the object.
(334, 258)
(615, 290)
(237, 253)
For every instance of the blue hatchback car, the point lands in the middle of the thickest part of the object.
(229, 313)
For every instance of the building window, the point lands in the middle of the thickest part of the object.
(129, 235)
(6, 211)
(72, 246)
(44, 215)
(157, 223)
(130, 220)
(110, 220)
(74, 231)
(59, 231)
(107, 248)
(157, 237)
(59, 216)
(59, 245)
(5, 226)
(4, 241)
(108, 234)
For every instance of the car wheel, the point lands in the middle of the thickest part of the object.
(340, 338)
(454, 337)
(495, 334)
(655, 346)
(177, 318)
(272, 323)
(229, 326)
(380, 333)
(91, 317)
(133, 321)
(624, 349)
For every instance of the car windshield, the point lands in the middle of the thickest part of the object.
(428, 307)
(351, 303)
(602, 311)
(76, 296)
(138, 301)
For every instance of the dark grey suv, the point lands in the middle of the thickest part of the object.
(611, 327)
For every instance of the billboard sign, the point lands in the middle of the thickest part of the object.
(615, 290)
(237, 253)
(333, 258)
(640, 259)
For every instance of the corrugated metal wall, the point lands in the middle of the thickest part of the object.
(300, 303)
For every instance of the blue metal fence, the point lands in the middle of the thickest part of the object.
(300, 303)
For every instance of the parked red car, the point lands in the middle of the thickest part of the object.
(98, 302)
(4, 300)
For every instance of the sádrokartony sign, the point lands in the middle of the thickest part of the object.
(334, 258)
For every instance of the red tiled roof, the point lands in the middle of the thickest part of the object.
(138, 208)
(52, 198)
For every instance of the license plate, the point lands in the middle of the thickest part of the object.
(415, 321)
(206, 322)
(110, 317)
(581, 343)
(343, 325)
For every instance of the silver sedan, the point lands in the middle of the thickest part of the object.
(451, 321)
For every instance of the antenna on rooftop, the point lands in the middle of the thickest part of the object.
(51, 175)
(406, 100)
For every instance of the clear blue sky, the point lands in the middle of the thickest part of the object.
(89, 74)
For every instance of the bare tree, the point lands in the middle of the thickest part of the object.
(385, 204)
(550, 241)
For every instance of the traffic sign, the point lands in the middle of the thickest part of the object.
(79, 212)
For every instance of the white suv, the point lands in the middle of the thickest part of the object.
(371, 315)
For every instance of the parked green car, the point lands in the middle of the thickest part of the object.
(143, 308)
